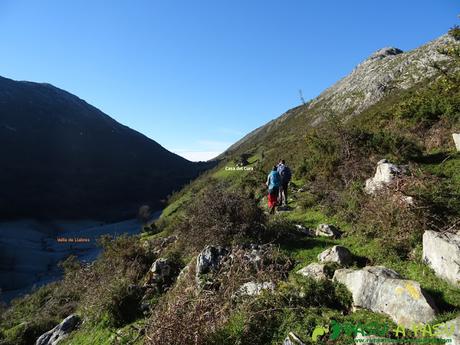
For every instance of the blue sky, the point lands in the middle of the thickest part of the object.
(197, 75)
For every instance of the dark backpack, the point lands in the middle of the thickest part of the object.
(285, 174)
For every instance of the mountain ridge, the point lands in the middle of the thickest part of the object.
(79, 159)
(361, 88)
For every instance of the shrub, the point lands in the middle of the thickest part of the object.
(390, 220)
(111, 292)
(187, 315)
(218, 215)
(455, 32)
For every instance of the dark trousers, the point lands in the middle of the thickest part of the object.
(283, 193)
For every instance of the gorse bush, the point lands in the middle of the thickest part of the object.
(110, 295)
(219, 215)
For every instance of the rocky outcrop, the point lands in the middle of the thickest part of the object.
(456, 137)
(327, 230)
(254, 289)
(293, 339)
(314, 270)
(209, 260)
(441, 251)
(384, 175)
(382, 290)
(60, 332)
(455, 325)
(161, 273)
(387, 70)
(338, 254)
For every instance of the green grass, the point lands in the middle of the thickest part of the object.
(305, 251)
(101, 334)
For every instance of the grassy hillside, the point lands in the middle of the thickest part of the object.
(227, 206)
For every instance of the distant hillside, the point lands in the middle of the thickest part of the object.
(62, 157)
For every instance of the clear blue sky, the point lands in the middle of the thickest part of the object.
(196, 75)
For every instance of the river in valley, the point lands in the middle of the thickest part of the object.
(30, 250)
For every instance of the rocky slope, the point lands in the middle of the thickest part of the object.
(386, 71)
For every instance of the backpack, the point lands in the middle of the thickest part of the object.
(285, 174)
(275, 180)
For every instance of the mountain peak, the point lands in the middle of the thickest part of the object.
(385, 52)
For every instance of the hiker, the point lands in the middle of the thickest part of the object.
(273, 184)
(285, 174)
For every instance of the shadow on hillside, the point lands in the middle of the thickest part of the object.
(439, 300)
(297, 242)
(434, 158)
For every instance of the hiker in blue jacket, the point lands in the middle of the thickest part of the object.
(285, 174)
(273, 183)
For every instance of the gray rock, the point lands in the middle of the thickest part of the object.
(338, 254)
(455, 325)
(385, 52)
(254, 289)
(441, 251)
(327, 230)
(60, 332)
(209, 260)
(293, 339)
(314, 270)
(303, 230)
(160, 272)
(382, 290)
(384, 175)
(456, 137)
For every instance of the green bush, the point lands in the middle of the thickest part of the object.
(218, 215)
(455, 32)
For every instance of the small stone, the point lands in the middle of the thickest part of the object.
(327, 230)
(338, 254)
(314, 270)
(456, 137)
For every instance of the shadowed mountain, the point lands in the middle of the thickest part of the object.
(63, 158)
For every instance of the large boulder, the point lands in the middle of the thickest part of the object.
(60, 332)
(384, 175)
(314, 270)
(456, 137)
(441, 251)
(338, 254)
(327, 230)
(455, 326)
(382, 290)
